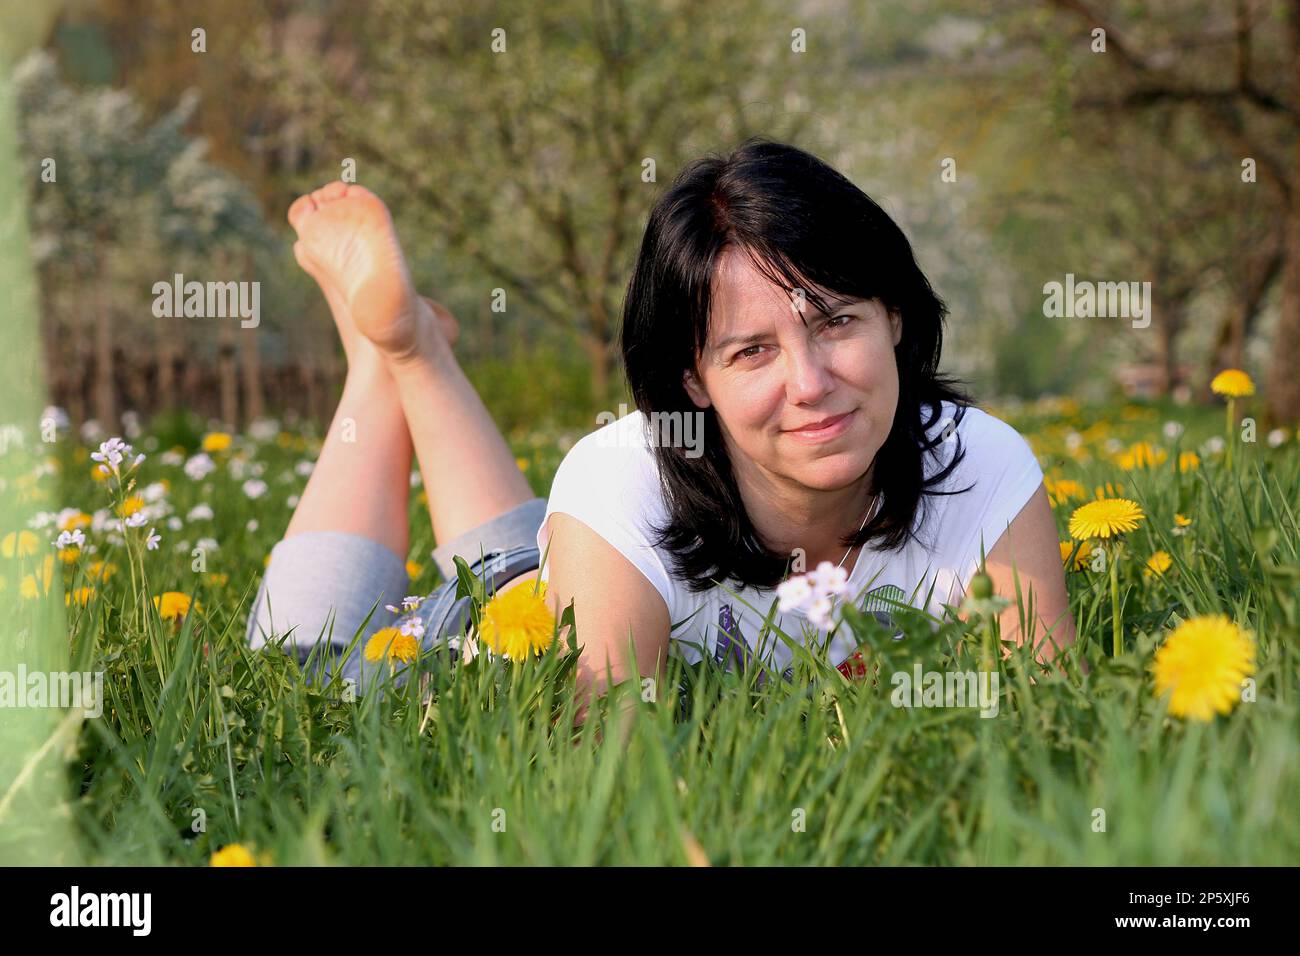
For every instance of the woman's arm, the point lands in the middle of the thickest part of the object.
(1031, 543)
(611, 600)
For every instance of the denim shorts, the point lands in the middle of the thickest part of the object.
(322, 588)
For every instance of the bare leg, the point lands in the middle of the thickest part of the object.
(347, 237)
(361, 479)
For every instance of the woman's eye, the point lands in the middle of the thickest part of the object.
(750, 352)
(835, 323)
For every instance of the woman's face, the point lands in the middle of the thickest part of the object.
(800, 405)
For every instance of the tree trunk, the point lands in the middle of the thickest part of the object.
(599, 354)
(598, 348)
(1170, 320)
(1283, 382)
(251, 375)
(166, 391)
(104, 402)
(1230, 350)
(229, 378)
(311, 385)
(71, 355)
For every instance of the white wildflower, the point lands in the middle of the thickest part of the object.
(154, 491)
(793, 593)
(200, 466)
(70, 539)
(111, 454)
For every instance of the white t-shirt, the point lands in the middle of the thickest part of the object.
(610, 482)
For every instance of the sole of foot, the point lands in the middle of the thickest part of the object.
(347, 243)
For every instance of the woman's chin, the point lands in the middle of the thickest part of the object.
(831, 474)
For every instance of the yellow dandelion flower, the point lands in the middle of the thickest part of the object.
(217, 578)
(173, 604)
(1105, 518)
(1108, 490)
(74, 521)
(1232, 382)
(1202, 665)
(36, 584)
(391, 642)
(1141, 455)
(21, 544)
(130, 506)
(98, 474)
(1189, 461)
(68, 555)
(414, 570)
(517, 621)
(81, 595)
(521, 464)
(1181, 521)
(233, 855)
(1080, 560)
(1158, 564)
(216, 441)
(101, 570)
(1061, 490)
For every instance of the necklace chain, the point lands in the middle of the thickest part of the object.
(875, 505)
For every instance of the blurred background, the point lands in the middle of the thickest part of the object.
(520, 146)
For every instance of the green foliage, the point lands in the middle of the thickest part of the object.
(479, 763)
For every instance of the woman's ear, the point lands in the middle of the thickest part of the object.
(896, 325)
(695, 390)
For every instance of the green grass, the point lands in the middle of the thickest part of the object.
(478, 764)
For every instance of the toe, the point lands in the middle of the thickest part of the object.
(301, 207)
(330, 192)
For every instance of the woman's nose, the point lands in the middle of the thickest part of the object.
(808, 376)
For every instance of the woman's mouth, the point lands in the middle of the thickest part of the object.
(823, 429)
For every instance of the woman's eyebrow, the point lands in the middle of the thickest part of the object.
(748, 338)
(833, 304)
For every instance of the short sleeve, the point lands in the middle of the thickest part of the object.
(1005, 473)
(612, 486)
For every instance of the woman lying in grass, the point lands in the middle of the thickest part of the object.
(781, 344)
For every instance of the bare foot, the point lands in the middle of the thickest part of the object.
(347, 243)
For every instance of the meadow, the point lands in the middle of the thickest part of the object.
(208, 752)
